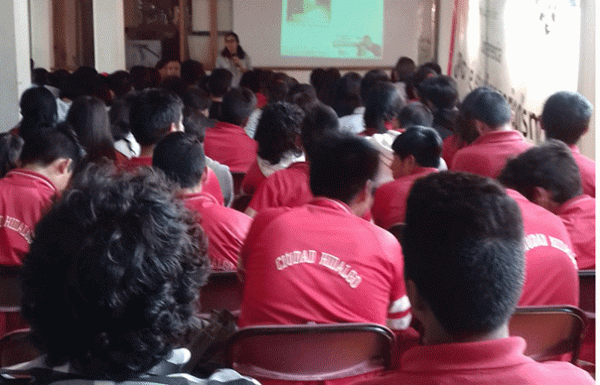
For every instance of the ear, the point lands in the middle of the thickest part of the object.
(204, 175)
(479, 126)
(176, 127)
(542, 197)
(63, 165)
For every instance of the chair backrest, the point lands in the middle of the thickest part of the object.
(587, 290)
(16, 347)
(310, 352)
(222, 291)
(550, 331)
(10, 289)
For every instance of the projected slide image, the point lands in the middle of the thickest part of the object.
(351, 29)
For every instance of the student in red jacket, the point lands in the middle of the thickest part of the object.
(548, 176)
(464, 269)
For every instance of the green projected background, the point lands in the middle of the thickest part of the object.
(344, 29)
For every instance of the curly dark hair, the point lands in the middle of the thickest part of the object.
(278, 131)
(113, 276)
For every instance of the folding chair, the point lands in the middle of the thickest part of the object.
(550, 331)
(16, 347)
(222, 291)
(587, 290)
(310, 352)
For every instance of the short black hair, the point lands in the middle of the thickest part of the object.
(415, 113)
(566, 116)
(383, 104)
(403, 69)
(319, 120)
(439, 90)
(424, 143)
(38, 108)
(550, 165)
(463, 249)
(10, 151)
(219, 82)
(119, 82)
(491, 108)
(465, 125)
(113, 274)
(369, 80)
(152, 113)
(237, 105)
(340, 166)
(191, 72)
(304, 95)
(52, 143)
(278, 131)
(181, 157)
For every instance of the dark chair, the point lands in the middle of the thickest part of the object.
(222, 291)
(16, 347)
(310, 352)
(550, 331)
(587, 290)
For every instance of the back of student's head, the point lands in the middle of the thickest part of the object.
(416, 78)
(52, 143)
(403, 69)
(191, 72)
(465, 121)
(38, 108)
(369, 80)
(278, 131)
(550, 166)
(118, 115)
(566, 116)
(490, 107)
(89, 119)
(319, 121)
(440, 91)
(140, 77)
(112, 278)
(327, 85)
(39, 76)
(237, 106)
(383, 104)
(463, 249)
(433, 66)
(252, 80)
(415, 114)
(10, 151)
(120, 83)
(424, 143)
(277, 87)
(181, 157)
(340, 166)
(195, 99)
(346, 96)
(152, 113)
(303, 95)
(219, 82)
(173, 84)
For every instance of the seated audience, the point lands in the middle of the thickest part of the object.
(401, 74)
(125, 144)
(548, 176)
(566, 117)
(302, 95)
(464, 269)
(181, 157)
(155, 113)
(346, 96)
(278, 138)
(416, 154)
(440, 95)
(320, 262)
(192, 71)
(290, 187)
(111, 284)
(227, 141)
(47, 163)
(497, 142)
(167, 68)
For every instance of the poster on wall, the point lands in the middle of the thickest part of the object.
(525, 49)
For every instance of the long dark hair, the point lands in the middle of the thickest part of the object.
(240, 51)
(90, 121)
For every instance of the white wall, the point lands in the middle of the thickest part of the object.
(109, 35)
(42, 44)
(14, 51)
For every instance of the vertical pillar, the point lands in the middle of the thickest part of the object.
(109, 35)
(42, 40)
(15, 76)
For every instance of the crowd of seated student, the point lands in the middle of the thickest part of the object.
(308, 180)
